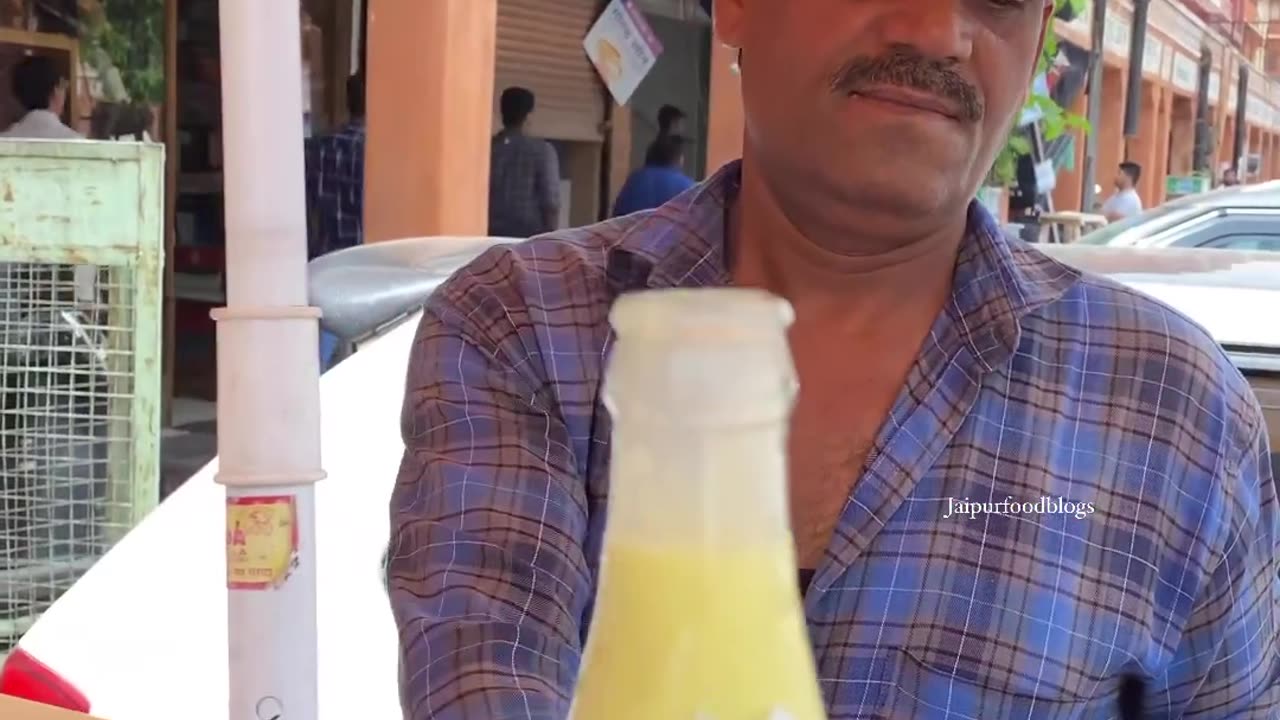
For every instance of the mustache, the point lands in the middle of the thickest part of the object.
(908, 69)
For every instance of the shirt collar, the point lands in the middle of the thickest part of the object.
(997, 281)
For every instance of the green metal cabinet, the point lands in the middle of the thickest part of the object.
(81, 271)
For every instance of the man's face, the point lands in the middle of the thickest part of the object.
(1122, 180)
(888, 111)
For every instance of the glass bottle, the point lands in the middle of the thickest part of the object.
(698, 613)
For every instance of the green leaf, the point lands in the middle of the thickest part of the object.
(1055, 120)
(128, 35)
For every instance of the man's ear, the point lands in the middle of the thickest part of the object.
(727, 15)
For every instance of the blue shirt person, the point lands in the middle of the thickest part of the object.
(660, 180)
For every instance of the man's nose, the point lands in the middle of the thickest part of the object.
(937, 29)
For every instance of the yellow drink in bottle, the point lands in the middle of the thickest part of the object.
(698, 613)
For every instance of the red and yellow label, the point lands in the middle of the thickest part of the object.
(262, 541)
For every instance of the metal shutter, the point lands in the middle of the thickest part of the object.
(540, 48)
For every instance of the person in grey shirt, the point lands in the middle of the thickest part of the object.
(42, 89)
(1126, 202)
(524, 174)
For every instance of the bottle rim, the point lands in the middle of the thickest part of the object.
(709, 314)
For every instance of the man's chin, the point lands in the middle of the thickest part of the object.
(908, 196)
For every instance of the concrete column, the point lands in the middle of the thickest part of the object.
(619, 149)
(1160, 141)
(1226, 144)
(1142, 149)
(430, 106)
(1274, 155)
(1263, 150)
(1253, 140)
(1111, 141)
(1182, 135)
(724, 118)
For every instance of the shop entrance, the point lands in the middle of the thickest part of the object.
(1226, 147)
(1182, 136)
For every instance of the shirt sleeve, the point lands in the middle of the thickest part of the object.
(1227, 663)
(486, 571)
(548, 179)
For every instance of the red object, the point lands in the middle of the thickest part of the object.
(199, 259)
(191, 318)
(25, 677)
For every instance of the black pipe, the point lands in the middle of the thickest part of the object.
(1203, 142)
(1088, 169)
(1137, 56)
(1242, 104)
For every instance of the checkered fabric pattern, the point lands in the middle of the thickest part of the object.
(335, 189)
(1035, 382)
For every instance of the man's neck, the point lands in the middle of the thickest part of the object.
(767, 251)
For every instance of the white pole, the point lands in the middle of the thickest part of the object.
(268, 370)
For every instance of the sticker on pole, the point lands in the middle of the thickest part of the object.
(262, 541)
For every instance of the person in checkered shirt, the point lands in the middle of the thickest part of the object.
(1126, 530)
(335, 179)
(524, 173)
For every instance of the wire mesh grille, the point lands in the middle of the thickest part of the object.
(66, 363)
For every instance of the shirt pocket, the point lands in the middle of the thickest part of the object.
(921, 691)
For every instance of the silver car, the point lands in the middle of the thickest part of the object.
(1244, 217)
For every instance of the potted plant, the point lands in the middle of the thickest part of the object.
(123, 41)
(1054, 121)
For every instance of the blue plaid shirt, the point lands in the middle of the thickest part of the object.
(335, 189)
(1035, 382)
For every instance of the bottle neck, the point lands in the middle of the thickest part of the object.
(705, 486)
(700, 388)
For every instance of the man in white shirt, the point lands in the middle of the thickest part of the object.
(1125, 202)
(42, 90)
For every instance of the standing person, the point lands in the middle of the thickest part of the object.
(1230, 177)
(1125, 202)
(670, 121)
(524, 173)
(658, 181)
(335, 190)
(335, 179)
(1125, 519)
(42, 90)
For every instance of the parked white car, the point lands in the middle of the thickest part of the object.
(143, 635)
(1240, 217)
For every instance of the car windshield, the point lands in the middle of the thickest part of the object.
(1155, 219)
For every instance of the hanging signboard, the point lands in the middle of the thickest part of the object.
(1185, 73)
(623, 48)
(1117, 37)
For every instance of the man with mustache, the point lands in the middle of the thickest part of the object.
(937, 360)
